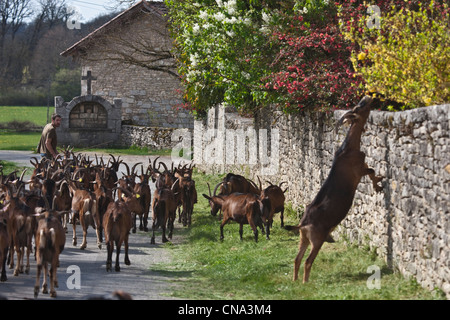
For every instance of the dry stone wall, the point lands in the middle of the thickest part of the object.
(408, 224)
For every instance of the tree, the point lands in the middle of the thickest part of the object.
(224, 50)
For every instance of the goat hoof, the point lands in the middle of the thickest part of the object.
(117, 268)
(127, 262)
(145, 229)
(36, 292)
(134, 230)
(44, 289)
(16, 273)
(53, 294)
(152, 241)
(3, 278)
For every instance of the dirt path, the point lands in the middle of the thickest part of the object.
(82, 273)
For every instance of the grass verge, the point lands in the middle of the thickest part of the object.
(235, 269)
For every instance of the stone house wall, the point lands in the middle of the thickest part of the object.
(149, 97)
(408, 224)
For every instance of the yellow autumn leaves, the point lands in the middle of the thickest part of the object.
(409, 60)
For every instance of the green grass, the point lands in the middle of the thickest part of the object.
(24, 141)
(37, 115)
(235, 269)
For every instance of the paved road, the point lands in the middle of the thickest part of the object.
(87, 268)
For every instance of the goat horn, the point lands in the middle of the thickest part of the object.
(209, 189)
(173, 185)
(164, 165)
(217, 186)
(134, 167)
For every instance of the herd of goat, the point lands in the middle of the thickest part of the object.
(72, 189)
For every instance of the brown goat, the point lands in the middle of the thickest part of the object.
(117, 225)
(244, 208)
(21, 225)
(237, 183)
(145, 197)
(50, 242)
(276, 196)
(164, 209)
(84, 208)
(335, 197)
(4, 242)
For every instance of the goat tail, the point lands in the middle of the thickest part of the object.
(293, 228)
(160, 212)
(52, 236)
(41, 239)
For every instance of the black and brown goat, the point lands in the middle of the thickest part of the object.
(335, 197)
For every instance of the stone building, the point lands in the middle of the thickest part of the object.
(128, 58)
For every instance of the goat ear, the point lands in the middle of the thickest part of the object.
(207, 197)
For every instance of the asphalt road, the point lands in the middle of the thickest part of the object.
(82, 273)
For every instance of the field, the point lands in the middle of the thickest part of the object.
(10, 138)
(37, 115)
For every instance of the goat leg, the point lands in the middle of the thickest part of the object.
(118, 245)
(304, 243)
(127, 259)
(53, 281)
(109, 248)
(254, 228)
(164, 239)
(74, 227)
(44, 284)
(3, 277)
(375, 179)
(133, 218)
(38, 276)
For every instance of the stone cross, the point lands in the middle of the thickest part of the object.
(89, 79)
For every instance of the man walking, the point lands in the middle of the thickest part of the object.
(48, 142)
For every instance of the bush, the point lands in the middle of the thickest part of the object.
(408, 59)
(23, 97)
(313, 68)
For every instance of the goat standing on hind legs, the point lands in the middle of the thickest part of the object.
(335, 198)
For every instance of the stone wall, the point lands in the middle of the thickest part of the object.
(408, 224)
(154, 138)
(88, 121)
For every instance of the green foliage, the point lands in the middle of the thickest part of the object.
(223, 51)
(66, 84)
(408, 59)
